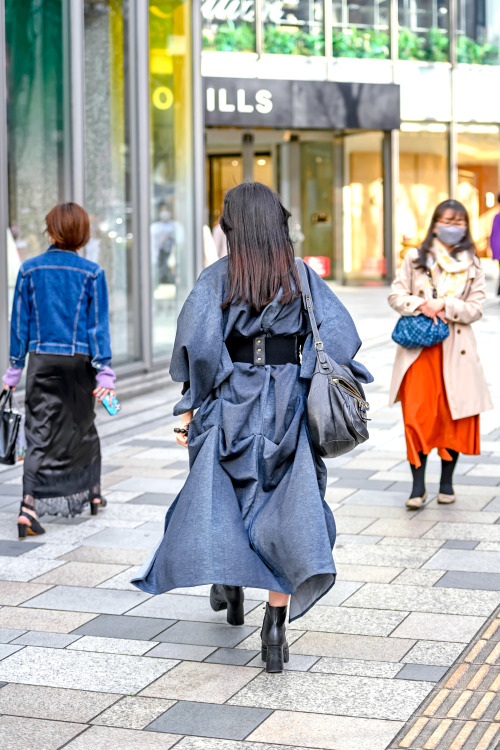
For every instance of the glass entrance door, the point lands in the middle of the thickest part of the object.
(225, 171)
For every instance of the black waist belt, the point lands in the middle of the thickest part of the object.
(265, 350)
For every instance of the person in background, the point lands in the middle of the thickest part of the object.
(60, 317)
(442, 388)
(495, 242)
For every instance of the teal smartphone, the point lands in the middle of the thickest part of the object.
(113, 407)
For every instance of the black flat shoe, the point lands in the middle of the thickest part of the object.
(230, 598)
(33, 528)
(275, 651)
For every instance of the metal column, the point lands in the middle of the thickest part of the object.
(4, 220)
(140, 166)
(75, 98)
(200, 217)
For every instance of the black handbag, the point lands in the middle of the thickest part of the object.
(336, 405)
(10, 421)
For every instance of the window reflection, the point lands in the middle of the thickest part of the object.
(294, 27)
(423, 30)
(478, 40)
(228, 27)
(361, 29)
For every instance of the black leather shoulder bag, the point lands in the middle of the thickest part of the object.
(336, 405)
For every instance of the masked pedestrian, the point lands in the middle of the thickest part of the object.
(252, 511)
(442, 388)
(60, 319)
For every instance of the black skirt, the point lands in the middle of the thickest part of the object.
(62, 466)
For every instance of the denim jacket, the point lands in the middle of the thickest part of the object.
(60, 307)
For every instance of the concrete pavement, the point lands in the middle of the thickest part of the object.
(390, 657)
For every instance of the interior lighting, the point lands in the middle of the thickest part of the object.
(261, 162)
(490, 200)
(112, 235)
(479, 129)
(119, 221)
(411, 127)
(235, 163)
(436, 127)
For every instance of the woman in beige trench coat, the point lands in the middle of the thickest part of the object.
(442, 388)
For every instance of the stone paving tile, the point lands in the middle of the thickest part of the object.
(369, 697)
(254, 643)
(183, 651)
(50, 640)
(438, 627)
(153, 498)
(47, 620)
(369, 648)
(337, 494)
(204, 743)
(371, 496)
(20, 733)
(471, 581)
(419, 577)
(21, 569)
(9, 634)
(237, 656)
(395, 527)
(493, 505)
(113, 645)
(40, 702)
(104, 738)
(430, 544)
(469, 561)
(125, 539)
(450, 515)
(343, 540)
(365, 573)
(210, 720)
(454, 544)
(144, 484)
(16, 592)
(402, 557)
(297, 662)
(425, 672)
(132, 712)
(121, 582)
(81, 599)
(343, 620)
(353, 525)
(79, 670)
(116, 626)
(341, 591)
(80, 574)
(357, 667)
(200, 681)
(476, 532)
(325, 732)
(14, 549)
(112, 555)
(419, 599)
(437, 653)
(177, 606)
(6, 649)
(383, 511)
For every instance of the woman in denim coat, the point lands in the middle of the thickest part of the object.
(252, 511)
(60, 317)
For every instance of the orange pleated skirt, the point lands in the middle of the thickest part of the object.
(426, 412)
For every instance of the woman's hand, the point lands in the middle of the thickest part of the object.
(101, 393)
(433, 308)
(182, 438)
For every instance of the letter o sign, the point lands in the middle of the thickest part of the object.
(163, 97)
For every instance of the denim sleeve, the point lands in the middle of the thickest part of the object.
(98, 322)
(20, 322)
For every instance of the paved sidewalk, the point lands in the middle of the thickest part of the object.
(89, 662)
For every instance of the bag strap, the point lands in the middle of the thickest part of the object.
(6, 399)
(308, 303)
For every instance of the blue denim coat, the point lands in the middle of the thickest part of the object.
(252, 511)
(60, 307)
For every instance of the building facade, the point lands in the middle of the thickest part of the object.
(363, 115)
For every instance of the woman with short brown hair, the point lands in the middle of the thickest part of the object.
(60, 317)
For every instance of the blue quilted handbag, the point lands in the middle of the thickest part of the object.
(413, 332)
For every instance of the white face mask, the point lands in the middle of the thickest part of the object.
(451, 235)
(165, 216)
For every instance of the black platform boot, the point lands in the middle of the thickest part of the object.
(230, 598)
(274, 646)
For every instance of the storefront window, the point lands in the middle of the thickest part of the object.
(478, 39)
(294, 28)
(423, 30)
(107, 168)
(361, 29)
(172, 243)
(228, 27)
(363, 207)
(478, 178)
(317, 205)
(423, 179)
(37, 122)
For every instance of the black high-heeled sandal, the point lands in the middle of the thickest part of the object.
(96, 502)
(32, 528)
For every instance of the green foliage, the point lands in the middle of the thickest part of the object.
(231, 37)
(469, 51)
(281, 41)
(360, 43)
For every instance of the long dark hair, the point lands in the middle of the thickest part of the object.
(466, 243)
(261, 257)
